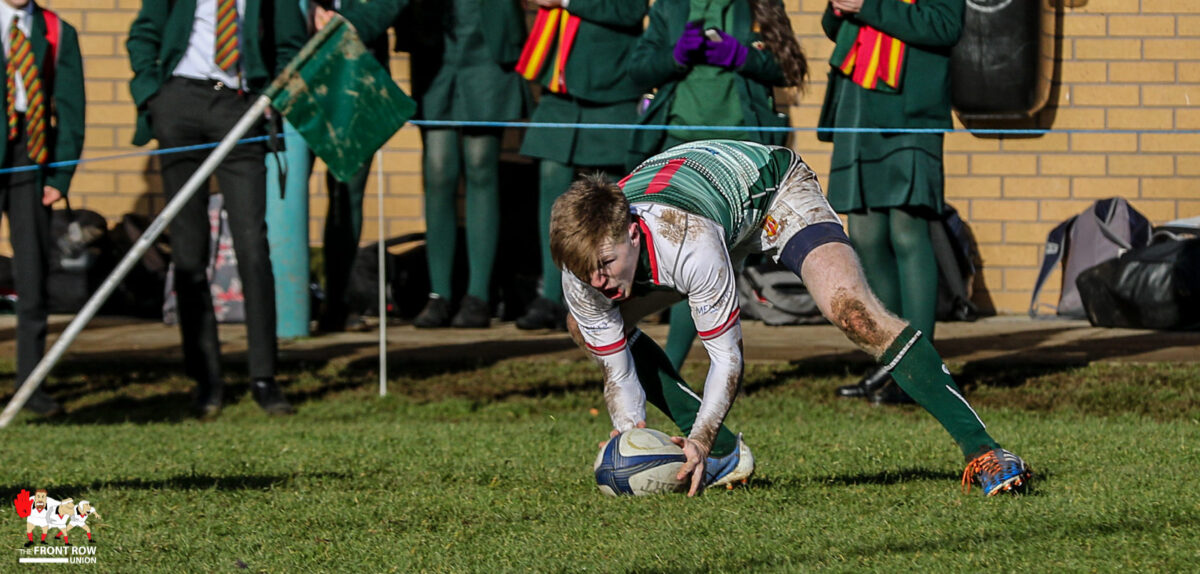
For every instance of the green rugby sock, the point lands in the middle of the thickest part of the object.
(666, 390)
(919, 370)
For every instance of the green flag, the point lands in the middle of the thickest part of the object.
(340, 99)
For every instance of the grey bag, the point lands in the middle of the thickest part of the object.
(229, 302)
(1102, 232)
(773, 294)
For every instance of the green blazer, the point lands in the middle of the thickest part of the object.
(62, 81)
(653, 65)
(608, 31)
(930, 28)
(159, 35)
(372, 18)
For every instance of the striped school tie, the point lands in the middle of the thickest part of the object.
(226, 55)
(20, 61)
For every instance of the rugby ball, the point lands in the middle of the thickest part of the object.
(639, 462)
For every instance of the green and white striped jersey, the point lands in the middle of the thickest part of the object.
(730, 182)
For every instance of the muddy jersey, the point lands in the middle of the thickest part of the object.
(729, 182)
(694, 204)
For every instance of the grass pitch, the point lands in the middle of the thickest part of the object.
(487, 468)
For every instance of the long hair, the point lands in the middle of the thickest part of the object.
(776, 30)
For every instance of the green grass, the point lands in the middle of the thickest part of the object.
(487, 468)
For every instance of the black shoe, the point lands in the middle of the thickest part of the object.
(436, 314)
(891, 395)
(867, 386)
(43, 404)
(270, 397)
(28, 544)
(332, 321)
(473, 313)
(208, 400)
(66, 543)
(543, 314)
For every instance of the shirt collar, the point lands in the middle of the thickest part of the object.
(7, 12)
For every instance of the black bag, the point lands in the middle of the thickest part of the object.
(955, 250)
(1153, 287)
(80, 258)
(141, 291)
(406, 275)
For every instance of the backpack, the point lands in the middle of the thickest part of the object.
(773, 294)
(1104, 231)
(80, 258)
(955, 250)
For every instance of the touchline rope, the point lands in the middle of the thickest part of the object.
(640, 127)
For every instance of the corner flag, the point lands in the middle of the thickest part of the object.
(338, 96)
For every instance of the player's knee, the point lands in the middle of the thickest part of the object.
(852, 315)
(806, 240)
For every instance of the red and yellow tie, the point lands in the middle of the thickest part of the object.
(226, 55)
(20, 61)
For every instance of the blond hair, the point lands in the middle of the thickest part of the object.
(592, 211)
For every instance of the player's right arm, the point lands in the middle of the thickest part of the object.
(605, 337)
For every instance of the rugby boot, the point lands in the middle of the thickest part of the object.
(997, 471)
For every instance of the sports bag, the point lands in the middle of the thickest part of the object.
(1105, 230)
(229, 302)
(774, 294)
(1153, 287)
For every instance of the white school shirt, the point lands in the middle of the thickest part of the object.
(197, 62)
(24, 24)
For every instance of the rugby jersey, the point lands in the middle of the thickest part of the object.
(694, 204)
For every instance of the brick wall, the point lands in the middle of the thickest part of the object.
(1124, 64)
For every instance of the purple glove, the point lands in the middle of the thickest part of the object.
(689, 49)
(726, 52)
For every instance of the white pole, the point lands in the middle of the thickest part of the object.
(382, 280)
(135, 253)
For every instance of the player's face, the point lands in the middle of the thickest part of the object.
(618, 261)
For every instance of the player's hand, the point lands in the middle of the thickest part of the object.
(50, 195)
(696, 454)
(847, 6)
(614, 433)
(321, 17)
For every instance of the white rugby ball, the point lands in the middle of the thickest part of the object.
(639, 462)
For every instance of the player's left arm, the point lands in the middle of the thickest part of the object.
(706, 272)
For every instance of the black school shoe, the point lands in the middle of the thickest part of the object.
(891, 395)
(543, 314)
(867, 386)
(43, 404)
(436, 314)
(473, 313)
(207, 400)
(270, 397)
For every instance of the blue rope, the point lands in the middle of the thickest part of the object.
(639, 127)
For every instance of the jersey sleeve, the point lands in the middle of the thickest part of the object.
(704, 272)
(603, 332)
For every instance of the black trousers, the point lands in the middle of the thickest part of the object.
(188, 112)
(29, 233)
